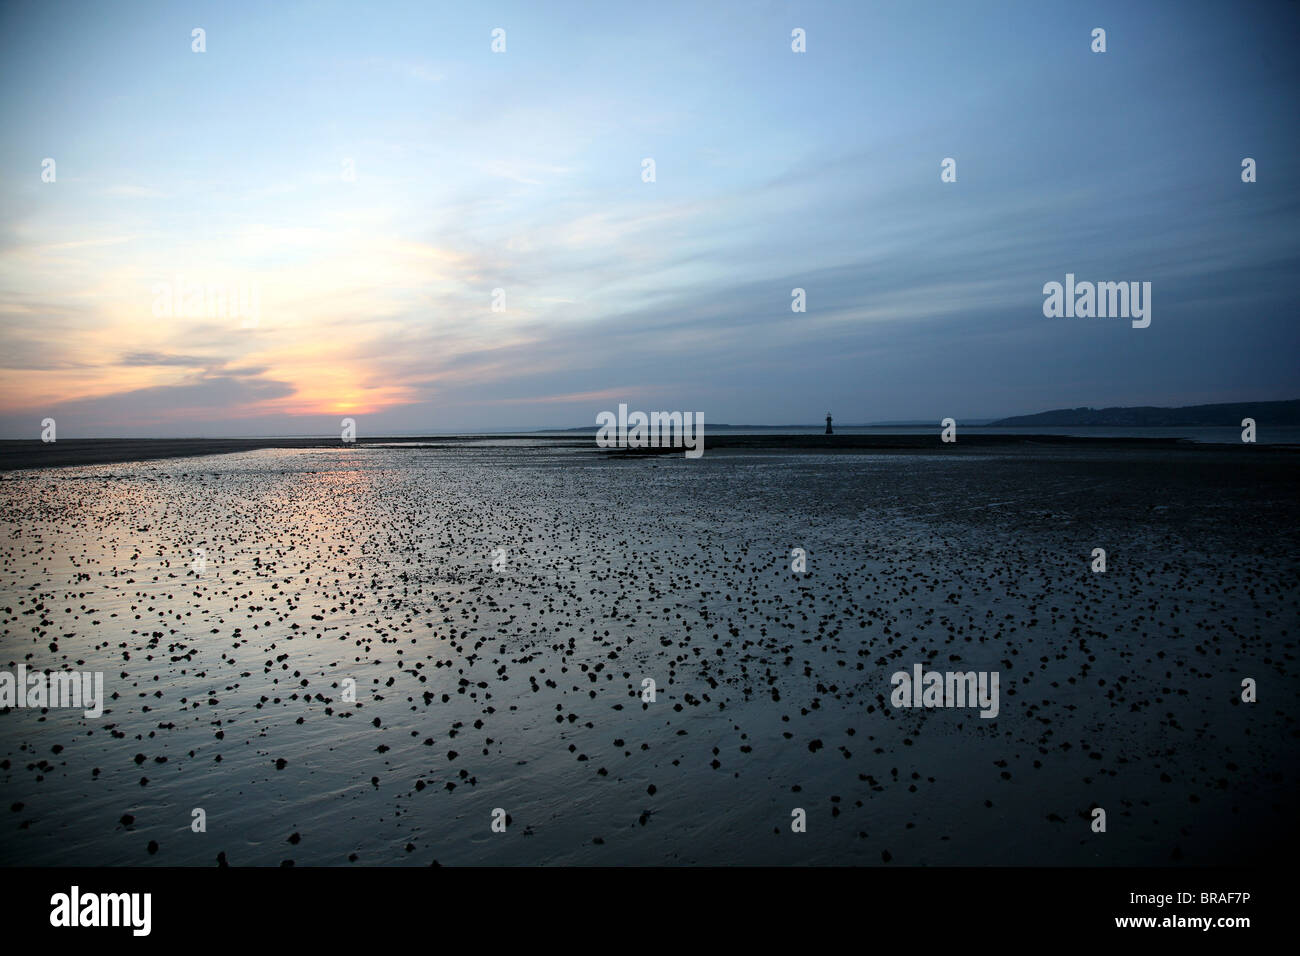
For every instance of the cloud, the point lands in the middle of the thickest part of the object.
(159, 358)
(219, 399)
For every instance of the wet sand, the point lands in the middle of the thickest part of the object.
(16, 454)
(518, 687)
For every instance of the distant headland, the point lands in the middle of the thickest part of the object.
(1150, 416)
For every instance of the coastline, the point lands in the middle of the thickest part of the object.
(29, 454)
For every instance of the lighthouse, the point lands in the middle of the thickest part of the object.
(828, 424)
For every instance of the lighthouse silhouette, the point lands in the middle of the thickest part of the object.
(828, 424)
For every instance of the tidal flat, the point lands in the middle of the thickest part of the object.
(499, 604)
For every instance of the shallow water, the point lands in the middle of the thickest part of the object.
(518, 686)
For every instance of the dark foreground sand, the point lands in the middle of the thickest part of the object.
(516, 685)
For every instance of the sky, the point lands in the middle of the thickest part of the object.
(361, 210)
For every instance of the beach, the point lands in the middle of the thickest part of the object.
(498, 604)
